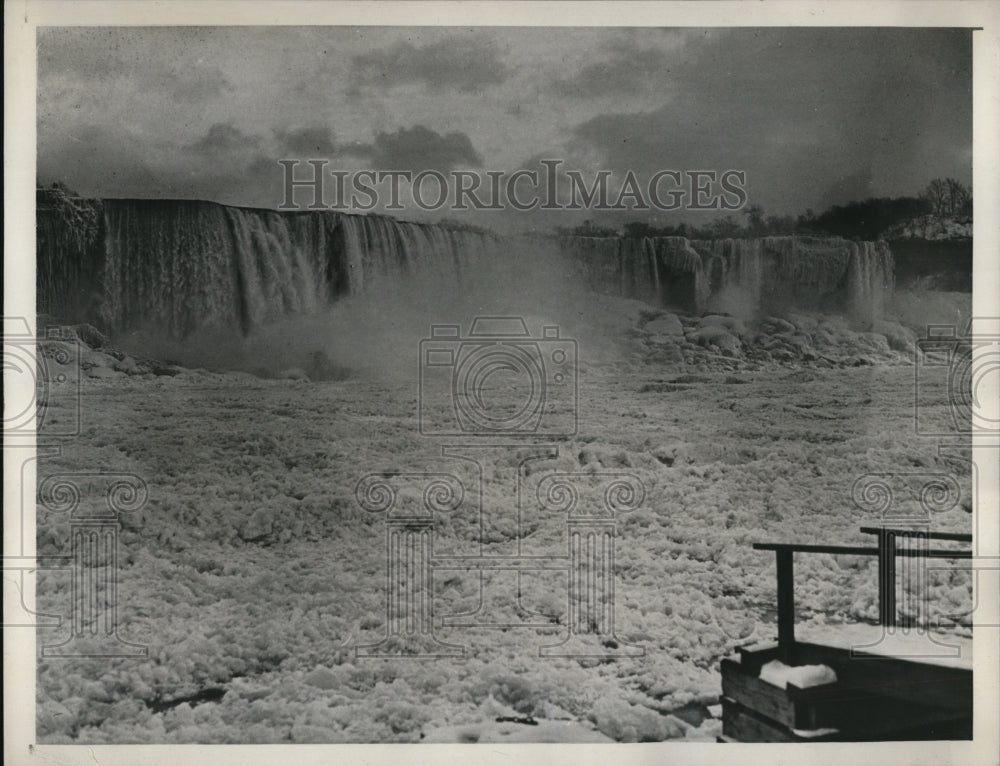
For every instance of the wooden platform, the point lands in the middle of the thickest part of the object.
(890, 685)
(874, 698)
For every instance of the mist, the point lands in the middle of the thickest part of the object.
(376, 334)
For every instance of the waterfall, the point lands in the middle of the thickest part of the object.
(69, 256)
(180, 266)
(659, 270)
(808, 272)
(281, 265)
(871, 279)
(746, 272)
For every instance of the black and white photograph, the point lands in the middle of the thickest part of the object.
(408, 380)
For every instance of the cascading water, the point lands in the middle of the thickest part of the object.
(728, 265)
(180, 266)
(185, 265)
(660, 270)
(380, 249)
(811, 272)
(682, 272)
(872, 279)
(69, 254)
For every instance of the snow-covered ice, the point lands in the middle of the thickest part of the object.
(254, 571)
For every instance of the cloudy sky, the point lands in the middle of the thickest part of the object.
(814, 116)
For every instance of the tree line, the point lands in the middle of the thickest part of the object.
(864, 220)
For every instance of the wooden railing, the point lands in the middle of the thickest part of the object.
(886, 550)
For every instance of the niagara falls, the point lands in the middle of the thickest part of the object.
(634, 394)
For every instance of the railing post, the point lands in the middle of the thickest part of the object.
(887, 578)
(786, 606)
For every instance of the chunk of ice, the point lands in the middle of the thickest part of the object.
(779, 674)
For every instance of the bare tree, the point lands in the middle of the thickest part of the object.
(948, 197)
(755, 220)
(959, 198)
(937, 196)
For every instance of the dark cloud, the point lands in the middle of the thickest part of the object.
(420, 148)
(106, 57)
(94, 158)
(117, 159)
(815, 116)
(224, 137)
(314, 141)
(799, 109)
(88, 54)
(626, 70)
(357, 149)
(197, 85)
(460, 63)
(849, 187)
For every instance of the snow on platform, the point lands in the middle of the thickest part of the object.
(943, 649)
